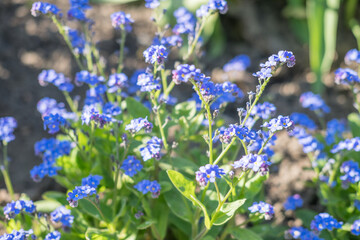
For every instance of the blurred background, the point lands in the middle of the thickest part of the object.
(319, 32)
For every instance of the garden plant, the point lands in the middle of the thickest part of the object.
(137, 163)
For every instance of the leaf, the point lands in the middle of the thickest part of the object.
(185, 187)
(146, 224)
(354, 123)
(47, 205)
(178, 205)
(306, 216)
(206, 216)
(227, 211)
(99, 234)
(87, 207)
(185, 109)
(56, 196)
(244, 234)
(136, 109)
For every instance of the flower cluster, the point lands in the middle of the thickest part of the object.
(152, 149)
(77, 40)
(152, 3)
(39, 8)
(53, 122)
(89, 78)
(169, 41)
(186, 72)
(208, 173)
(139, 123)
(146, 186)
(58, 79)
(111, 109)
(147, 82)
(293, 202)
(273, 62)
(352, 144)
(7, 127)
(351, 172)
(21, 235)
(47, 106)
(155, 54)
(324, 221)
(211, 6)
(262, 208)
(303, 120)
(55, 235)
(257, 163)
(91, 181)
(352, 55)
(309, 143)
(258, 143)
(121, 20)
(131, 166)
(77, 10)
(355, 228)
(313, 102)
(279, 123)
(185, 22)
(346, 76)
(15, 207)
(239, 63)
(116, 82)
(302, 234)
(91, 114)
(263, 110)
(62, 215)
(78, 193)
(334, 130)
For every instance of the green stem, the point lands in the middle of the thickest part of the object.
(210, 133)
(67, 41)
(89, 61)
(97, 207)
(4, 170)
(262, 88)
(335, 169)
(194, 42)
(158, 119)
(225, 151)
(164, 82)
(95, 52)
(168, 90)
(122, 45)
(70, 102)
(201, 234)
(217, 191)
(267, 140)
(117, 173)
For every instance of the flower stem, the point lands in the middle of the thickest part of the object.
(158, 119)
(225, 151)
(194, 42)
(4, 170)
(70, 102)
(121, 56)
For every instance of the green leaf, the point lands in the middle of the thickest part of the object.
(87, 207)
(185, 187)
(56, 196)
(206, 216)
(354, 122)
(186, 109)
(47, 205)
(136, 109)
(306, 216)
(178, 205)
(146, 224)
(99, 234)
(227, 211)
(244, 234)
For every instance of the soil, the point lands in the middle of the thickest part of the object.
(256, 28)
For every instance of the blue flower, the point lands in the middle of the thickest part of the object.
(53, 122)
(139, 123)
(171, 41)
(15, 207)
(152, 149)
(303, 120)
(92, 181)
(58, 79)
(257, 163)
(202, 11)
(40, 171)
(334, 129)
(324, 221)
(89, 78)
(218, 5)
(91, 114)
(7, 127)
(78, 193)
(185, 22)
(48, 106)
(55, 235)
(302, 234)
(208, 173)
(278, 124)
(131, 166)
(351, 172)
(346, 76)
(77, 14)
(227, 134)
(287, 57)
(357, 204)
(239, 63)
(39, 8)
(83, 4)
(147, 83)
(355, 228)
(264, 110)
(275, 61)
(146, 186)
(121, 20)
(264, 73)
(21, 235)
(262, 208)
(62, 215)
(111, 109)
(352, 144)
(184, 73)
(293, 202)
(313, 102)
(117, 81)
(152, 3)
(352, 55)
(77, 40)
(310, 144)
(155, 54)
